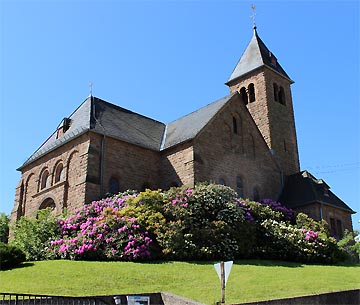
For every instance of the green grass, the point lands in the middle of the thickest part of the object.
(248, 280)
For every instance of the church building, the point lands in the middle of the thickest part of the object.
(246, 140)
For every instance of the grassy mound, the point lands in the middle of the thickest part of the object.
(248, 280)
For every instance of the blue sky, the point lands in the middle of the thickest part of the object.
(165, 59)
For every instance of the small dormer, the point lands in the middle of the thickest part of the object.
(323, 187)
(63, 127)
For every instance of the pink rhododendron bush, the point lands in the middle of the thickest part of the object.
(206, 222)
(99, 231)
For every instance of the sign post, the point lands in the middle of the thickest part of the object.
(223, 271)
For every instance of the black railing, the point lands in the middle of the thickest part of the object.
(29, 299)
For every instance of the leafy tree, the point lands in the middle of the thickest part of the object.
(4, 227)
(33, 236)
(10, 256)
(350, 250)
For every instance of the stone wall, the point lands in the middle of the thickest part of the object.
(349, 297)
(135, 167)
(275, 121)
(223, 155)
(331, 215)
(177, 166)
(58, 176)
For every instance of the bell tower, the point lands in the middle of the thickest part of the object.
(264, 87)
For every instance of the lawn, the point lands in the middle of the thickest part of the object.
(248, 280)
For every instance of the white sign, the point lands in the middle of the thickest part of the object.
(227, 268)
(138, 300)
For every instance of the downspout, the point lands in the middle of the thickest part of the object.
(102, 165)
(321, 211)
(102, 147)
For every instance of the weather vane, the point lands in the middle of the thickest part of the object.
(91, 87)
(253, 15)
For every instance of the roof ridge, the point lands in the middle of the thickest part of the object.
(202, 108)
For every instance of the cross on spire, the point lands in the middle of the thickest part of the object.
(91, 87)
(253, 15)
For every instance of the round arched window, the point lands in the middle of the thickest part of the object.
(114, 185)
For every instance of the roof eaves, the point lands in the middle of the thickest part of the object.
(52, 146)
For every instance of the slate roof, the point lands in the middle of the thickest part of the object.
(99, 116)
(303, 188)
(102, 117)
(79, 124)
(189, 126)
(256, 55)
(125, 125)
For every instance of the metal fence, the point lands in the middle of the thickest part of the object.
(29, 299)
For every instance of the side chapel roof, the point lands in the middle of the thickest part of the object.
(303, 189)
(99, 116)
(255, 56)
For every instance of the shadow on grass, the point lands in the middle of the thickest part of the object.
(22, 265)
(254, 262)
(264, 263)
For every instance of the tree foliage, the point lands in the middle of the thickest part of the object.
(33, 235)
(10, 256)
(4, 228)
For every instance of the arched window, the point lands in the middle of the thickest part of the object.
(145, 186)
(20, 209)
(256, 196)
(174, 184)
(251, 147)
(276, 92)
(222, 181)
(114, 186)
(251, 90)
(235, 125)
(239, 187)
(244, 96)
(282, 96)
(47, 203)
(44, 179)
(226, 138)
(58, 172)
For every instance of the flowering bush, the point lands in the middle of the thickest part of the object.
(287, 242)
(287, 213)
(206, 222)
(99, 231)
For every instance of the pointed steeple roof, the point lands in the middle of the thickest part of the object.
(255, 56)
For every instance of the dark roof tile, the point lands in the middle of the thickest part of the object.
(255, 56)
(303, 189)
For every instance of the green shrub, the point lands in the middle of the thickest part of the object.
(303, 221)
(4, 228)
(33, 236)
(206, 222)
(10, 256)
(348, 248)
(261, 212)
(286, 242)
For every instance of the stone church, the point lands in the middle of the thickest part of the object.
(246, 140)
